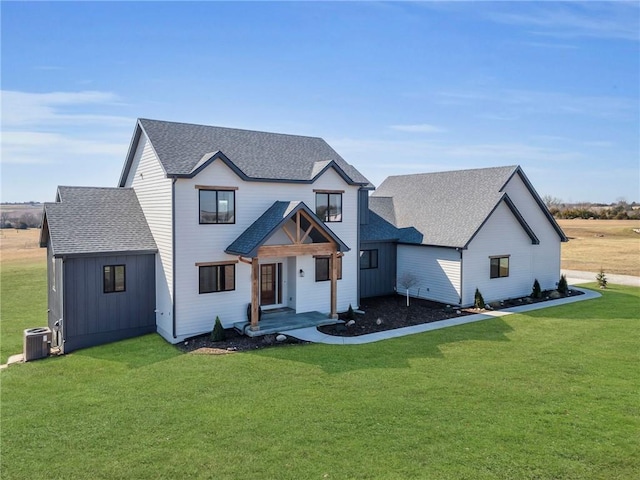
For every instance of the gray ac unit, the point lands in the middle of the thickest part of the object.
(37, 343)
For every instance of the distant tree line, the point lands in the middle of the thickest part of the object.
(620, 210)
(20, 220)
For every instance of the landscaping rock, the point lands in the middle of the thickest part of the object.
(351, 323)
(281, 338)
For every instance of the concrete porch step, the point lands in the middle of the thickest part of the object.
(272, 323)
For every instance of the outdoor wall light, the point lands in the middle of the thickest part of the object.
(301, 273)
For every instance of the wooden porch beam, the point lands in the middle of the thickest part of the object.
(255, 297)
(288, 234)
(296, 250)
(244, 260)
(334, 285)
(306, 234)
(321, 230)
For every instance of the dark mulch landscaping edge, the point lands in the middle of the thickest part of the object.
(380, 314)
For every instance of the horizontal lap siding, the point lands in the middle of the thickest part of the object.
(437, 271)
(89, 313)
(381, 280)
(196, 313)
(153, 189)
(500, 235)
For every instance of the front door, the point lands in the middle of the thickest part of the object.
(268, 284)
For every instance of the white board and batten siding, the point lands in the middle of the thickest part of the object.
(153, 189)
(195, 243)
(545, 265)
(436, 269)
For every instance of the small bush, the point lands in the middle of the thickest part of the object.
(601, 278)
(478, 300)
(350, 313)
(217, 335)
(563, 288)
(536, 292)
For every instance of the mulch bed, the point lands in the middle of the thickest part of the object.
(380, 313)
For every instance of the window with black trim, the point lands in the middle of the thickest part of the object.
(323, 269)
(217, 206)
(114, 278)
(368, 259)
(217, 278)
(499, 266)
(329, 206)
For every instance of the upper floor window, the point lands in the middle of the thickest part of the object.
(217, 204)
(114, 278)
(216, 278)
(329, 206)
(368, 259)
(499, 266)
(323, 268)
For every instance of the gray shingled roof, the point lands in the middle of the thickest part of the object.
(447, 208)
(380, 230)
(182, 148)
(272, 219)
(90, 220)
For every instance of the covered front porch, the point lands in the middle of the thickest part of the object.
(283, 320)
(286, 238)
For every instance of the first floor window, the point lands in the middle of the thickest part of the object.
(329, 206)
(217, 278)
(368, 259)
(217, 206)
(499, 266)
(323, 268)
(114, 278)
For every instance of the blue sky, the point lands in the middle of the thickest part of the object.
(395, 88)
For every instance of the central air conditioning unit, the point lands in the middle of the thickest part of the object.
(37, 343)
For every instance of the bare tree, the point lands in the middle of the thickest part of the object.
(551, 201)
(4, 219)
(406, 281)
(29, 219)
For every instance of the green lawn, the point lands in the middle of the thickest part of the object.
(552, 394)
(23, 303)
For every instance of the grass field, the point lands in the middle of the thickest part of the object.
(552, 394)
(610, 244)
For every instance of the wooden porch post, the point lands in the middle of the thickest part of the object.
(334, 284)
(255, 298)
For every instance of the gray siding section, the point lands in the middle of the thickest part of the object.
(363, 206)
(381, 280)
(92, 317)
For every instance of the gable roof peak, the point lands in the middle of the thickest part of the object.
(183, 151)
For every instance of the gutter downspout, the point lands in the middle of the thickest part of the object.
(461, 277)
(173, 255)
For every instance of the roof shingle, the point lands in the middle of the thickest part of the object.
(182, 147)
(447, 208)
(90, 220)
(258, 232)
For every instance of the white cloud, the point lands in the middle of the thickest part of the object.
(21, 109)
(607, 20)
(418, 128)
(66, 128)
(505, 104)
(24, 147)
